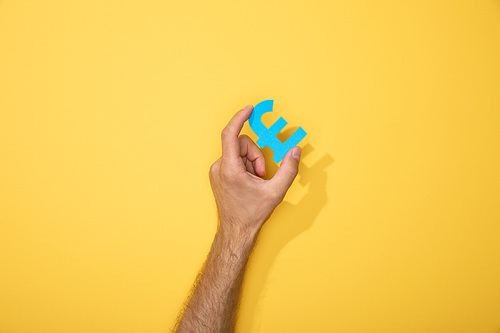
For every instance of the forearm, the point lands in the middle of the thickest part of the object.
(212, 307)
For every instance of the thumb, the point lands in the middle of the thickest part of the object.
(287, 171)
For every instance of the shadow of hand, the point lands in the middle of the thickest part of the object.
(287, 222)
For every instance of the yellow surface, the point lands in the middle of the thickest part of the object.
(110, 116)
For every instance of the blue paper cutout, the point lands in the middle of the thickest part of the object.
(267, 136)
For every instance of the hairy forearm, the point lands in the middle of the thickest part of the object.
(212, 307)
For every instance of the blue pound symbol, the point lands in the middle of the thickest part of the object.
(267, 136)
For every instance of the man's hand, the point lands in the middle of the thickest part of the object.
(245, 200)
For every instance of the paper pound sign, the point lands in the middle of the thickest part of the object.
(267, 136)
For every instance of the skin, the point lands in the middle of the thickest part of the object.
(245, 201)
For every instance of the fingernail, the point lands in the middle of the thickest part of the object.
(246, 107)
(296, 153)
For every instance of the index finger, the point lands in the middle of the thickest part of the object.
(230, 133)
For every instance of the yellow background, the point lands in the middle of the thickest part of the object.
(110, 116)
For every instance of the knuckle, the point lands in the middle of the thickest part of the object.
(214, 168)
(211, 171)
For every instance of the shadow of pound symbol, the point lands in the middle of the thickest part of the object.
(267, 136)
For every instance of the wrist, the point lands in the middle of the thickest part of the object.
(237, 236)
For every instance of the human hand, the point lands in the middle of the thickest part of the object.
(244, 199)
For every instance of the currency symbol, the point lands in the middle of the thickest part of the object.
(267, 136)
